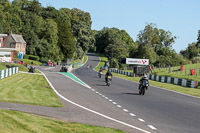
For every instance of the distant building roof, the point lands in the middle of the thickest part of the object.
(3, 35)
(8, 49)
(18, 38)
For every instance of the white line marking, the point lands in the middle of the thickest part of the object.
(141, 120)
(97, 113)
(100, 94)
(125, 110)
(106, 97)
(93, 90)
(97, 92)
(152, 127)
(114, 102)
(110, 100)
(132, 114)
(119, 106)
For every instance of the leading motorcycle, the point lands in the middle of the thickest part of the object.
(144, 86)
(100, 73)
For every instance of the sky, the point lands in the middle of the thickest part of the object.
(180, 17)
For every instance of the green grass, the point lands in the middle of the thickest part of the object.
(6, 65)
(28, 89)
(177, 74)
(102, 62)
(28, 61)
(21, 67)
(2, 66)
(185, 90)
(84, 60)
(17, 122)
(180, 74)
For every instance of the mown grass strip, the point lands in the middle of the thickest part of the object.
(185, 74)
(28, 89)
(17, 122)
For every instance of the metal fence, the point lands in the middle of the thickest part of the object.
(8, 72)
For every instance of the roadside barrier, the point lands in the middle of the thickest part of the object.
(8, 72)
(163, 79)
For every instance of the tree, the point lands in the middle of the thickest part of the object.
(154, 42)
(109, 35)
(155, 38)
(117, 50)
(66, 40)
(198, 39)
(81, 28)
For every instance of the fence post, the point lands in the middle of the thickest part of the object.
(168, 79)
(2, 74)
(157, 78)
(176, 81)
(184, 82)
(17, 70)
(163, 79)
(10, 71)
(152, 77)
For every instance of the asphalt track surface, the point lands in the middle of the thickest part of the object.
(167, 111)
(118, 106)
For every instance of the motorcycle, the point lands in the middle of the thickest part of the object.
(100, 73)
(108, 81)
(143, 87)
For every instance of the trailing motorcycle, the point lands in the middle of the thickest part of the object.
(108, 80)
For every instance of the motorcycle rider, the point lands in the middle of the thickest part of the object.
(143, 79)
(100, 72)
(108, 73)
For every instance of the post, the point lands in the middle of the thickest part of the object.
(196, 67)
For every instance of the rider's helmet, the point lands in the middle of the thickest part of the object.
(145, 75)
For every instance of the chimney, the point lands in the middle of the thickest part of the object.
(10, 32)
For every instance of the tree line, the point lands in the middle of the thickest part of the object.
(66, 33)
(49, 33)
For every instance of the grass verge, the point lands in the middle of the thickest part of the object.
(81, 64)
(185, 90)
(17, 122)
(28, 89)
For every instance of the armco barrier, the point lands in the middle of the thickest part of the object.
(8, 72)
(176, 81)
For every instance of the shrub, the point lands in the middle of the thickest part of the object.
(32, 57)
(15, 54)
(44, 59)
(26, 56)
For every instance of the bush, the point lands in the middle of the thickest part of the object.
(44, 59)
(195, 59)
(26, 56)
(32, 57)
(15, 54)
